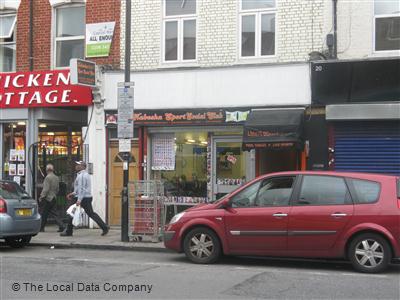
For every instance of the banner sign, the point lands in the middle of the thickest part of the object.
(41, 89)
(99, 38)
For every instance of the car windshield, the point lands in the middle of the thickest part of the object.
(11, 190)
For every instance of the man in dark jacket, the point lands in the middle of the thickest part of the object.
(48, 197)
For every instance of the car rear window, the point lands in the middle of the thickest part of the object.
(10, 190)
(367, 191)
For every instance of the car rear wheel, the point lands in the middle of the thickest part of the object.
(369, 253)
(18, 241)
(202, 246)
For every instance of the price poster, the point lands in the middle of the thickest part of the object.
(21, 170)
(12, 170)
(13, 155)
(163, 152)
(21, 155)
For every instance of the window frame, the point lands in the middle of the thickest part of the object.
(180, 19)
(260, 181)
(56, 39)
(355, 195)
(14, 39)
(381, 16)
(296, 194)
(258, 13)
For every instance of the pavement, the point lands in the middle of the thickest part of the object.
(92, 239)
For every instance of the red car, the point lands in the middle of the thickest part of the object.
(297, 214)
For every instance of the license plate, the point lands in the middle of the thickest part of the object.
(23, 212)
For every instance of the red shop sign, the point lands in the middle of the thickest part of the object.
(41, 89)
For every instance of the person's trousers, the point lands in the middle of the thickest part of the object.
(86, 204)
(49, 208)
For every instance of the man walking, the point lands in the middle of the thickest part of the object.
(83, 196)
(48, 197)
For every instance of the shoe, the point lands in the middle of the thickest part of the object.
(60, 229)
(64, 233)
(105, 231)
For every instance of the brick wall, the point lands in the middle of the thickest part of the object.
(96, 11)
(299, 31)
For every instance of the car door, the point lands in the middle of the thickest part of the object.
(257, 218)
(322, 207)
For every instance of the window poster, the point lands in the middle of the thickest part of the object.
(21, 170)
(13, 154)
(163, 152)
(12, 169)
(21, 155)
(17, 179)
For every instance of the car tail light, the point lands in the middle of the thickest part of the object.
(3, 206)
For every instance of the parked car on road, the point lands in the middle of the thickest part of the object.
(19, 217)
(297, 214)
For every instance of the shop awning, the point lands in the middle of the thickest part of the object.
(273, 129)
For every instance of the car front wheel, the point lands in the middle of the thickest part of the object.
(202, 246)
(369, 253)
(18, 241)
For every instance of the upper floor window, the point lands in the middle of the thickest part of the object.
(257, 28)
(69, 34)
(179, 30)
(7, 42)
(387, 25)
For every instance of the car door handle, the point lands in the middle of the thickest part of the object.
(279, 215)
(338, 214)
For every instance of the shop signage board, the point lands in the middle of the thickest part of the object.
(125, 110)
(99, 37)
(41, 89)
(83, 72)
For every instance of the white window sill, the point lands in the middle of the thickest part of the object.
(385, 53)
(256, 60)
(174, 65)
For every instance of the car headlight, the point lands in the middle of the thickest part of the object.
(176, 218)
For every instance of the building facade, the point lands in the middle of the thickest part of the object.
(43, 117)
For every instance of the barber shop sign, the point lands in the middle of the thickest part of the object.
(41, 89)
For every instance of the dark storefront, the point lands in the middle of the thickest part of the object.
(362, 113)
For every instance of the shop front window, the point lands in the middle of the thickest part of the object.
(180, 161)
(14, 140)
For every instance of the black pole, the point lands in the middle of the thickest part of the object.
(335, 29)
(125, 195)
(31, 6)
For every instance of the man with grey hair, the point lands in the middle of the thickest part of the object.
(48, 197)
(82, 194)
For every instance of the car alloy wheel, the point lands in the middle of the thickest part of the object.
(369, 253)
(202, 246)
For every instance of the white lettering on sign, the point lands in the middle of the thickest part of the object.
(32, 80)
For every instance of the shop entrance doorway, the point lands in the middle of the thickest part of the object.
(231, 166)
(270, 161)
(115, 180)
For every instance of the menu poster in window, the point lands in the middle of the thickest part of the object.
(12, 169)
(163, 152)
(21, 170)
(19, 143)
(13, 155)
(21, 155)
(17, 179)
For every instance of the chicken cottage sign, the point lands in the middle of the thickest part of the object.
(41, 89)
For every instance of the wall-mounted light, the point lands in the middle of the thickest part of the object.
(50, 133)
(42, 125)
(191, 141)
(21, 123)
(204, 142)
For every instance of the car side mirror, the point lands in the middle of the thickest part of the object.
(225, 205)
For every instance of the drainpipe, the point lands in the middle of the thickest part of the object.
(335, 29)
(31, 35)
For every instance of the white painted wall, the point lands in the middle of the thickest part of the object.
(266, 85)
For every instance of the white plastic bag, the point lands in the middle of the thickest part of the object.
(76, 212)
(77, 219)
